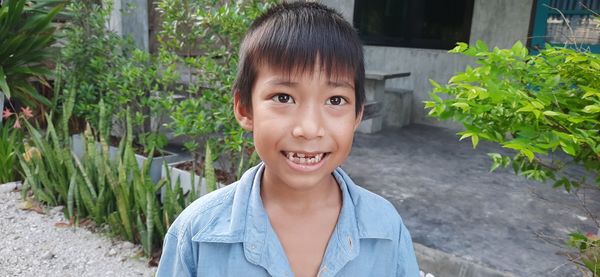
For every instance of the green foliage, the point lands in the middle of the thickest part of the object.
(209, 170)
(589, 247)
(534, 104)
(207, 35)
(47, 166)
(90, 56)
(10, 146)
(100, 65)
(546, 107)
(26, 33)
(108, 188)
(141, 84)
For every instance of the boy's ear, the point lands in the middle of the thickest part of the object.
(242, 114)
(359, 118)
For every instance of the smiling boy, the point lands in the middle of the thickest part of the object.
(299, 90)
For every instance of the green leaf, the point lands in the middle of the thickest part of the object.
(474, 140)
(460, 47)
(462, 105)
(551, 113)
(576, 58)
(526, 108)
(519, 50)
(568, 148)
(589, 91)
(592, 109)
(481, 46)
(434, 84)
(3, 85)
(209, 170)
(464, 135)
(458, 78)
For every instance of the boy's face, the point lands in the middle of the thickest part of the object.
(302, 124)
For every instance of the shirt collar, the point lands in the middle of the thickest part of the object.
(251, 226)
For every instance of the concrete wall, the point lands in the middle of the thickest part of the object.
(130, 18)
(497, 22)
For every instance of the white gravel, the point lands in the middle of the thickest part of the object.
(31, 245)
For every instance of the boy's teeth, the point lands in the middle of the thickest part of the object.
(301, 158)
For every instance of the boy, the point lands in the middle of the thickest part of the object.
(299, 90)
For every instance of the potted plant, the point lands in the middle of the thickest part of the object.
(128, 81)
(205, 117)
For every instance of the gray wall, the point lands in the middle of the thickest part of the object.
(130, 18)
(497, 22)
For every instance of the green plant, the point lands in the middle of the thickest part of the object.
(534, 104)
(89, 59)
(110, 190)
(26, 32)
(216, 29)
(47, 166)
(142, 85)
(97, 65)
(10, 145)
(589, 251)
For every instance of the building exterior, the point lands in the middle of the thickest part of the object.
(415, 35)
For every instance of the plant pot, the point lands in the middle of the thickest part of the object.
(157, 163)
(78, 148)
(185, 178)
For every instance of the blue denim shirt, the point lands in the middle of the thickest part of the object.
(227, 233)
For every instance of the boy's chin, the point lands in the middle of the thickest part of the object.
(302, 180)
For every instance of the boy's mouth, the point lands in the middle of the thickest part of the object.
(303, 157)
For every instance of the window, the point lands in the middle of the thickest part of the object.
(435, 24)
(566, 22)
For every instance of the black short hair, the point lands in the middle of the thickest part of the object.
(292, 38)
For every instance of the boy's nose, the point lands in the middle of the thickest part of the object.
(308, 126)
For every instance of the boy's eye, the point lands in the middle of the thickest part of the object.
(283, 98)
(336, 101)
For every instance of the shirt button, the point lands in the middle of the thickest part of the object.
(350, 242)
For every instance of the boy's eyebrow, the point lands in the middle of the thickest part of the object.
(336, 84)
(288, 83)
(282, 82)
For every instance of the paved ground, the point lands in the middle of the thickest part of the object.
(451, 202)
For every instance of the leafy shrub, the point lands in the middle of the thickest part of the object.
(26, 33)
(207, 35)
(110, 190)
(90, 54)
(535, 104)
(10, 145)
(97, 65)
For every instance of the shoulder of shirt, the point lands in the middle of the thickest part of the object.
(376, 216)
(200, 213)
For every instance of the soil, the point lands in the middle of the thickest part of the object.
(137, 148)
(222, 176)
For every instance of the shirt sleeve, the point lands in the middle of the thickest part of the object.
(407, 261)
(174, 260)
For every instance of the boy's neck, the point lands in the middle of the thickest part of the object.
(275, 193)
